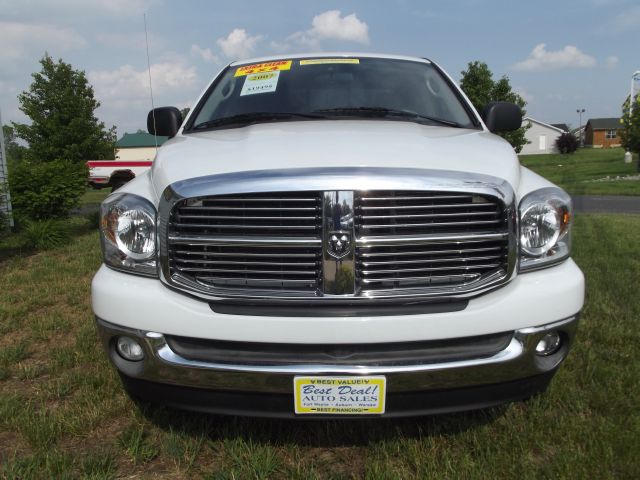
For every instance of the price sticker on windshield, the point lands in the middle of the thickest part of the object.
(263, 67)
(260, 83)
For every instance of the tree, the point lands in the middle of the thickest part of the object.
(478, 84)
(14, 151)
(61, 106)
(567, 143)
(630, 134)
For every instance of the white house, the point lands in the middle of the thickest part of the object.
(541, 136)
(139, 146)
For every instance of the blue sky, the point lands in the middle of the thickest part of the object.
(560, 55)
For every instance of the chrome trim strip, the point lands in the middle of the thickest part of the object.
(339, 237)
(332, 180)
(245, 241)
(161, 364)
(513, 351)
(373, 241)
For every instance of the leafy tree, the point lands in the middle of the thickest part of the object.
(61, 106)
(478, 84)
(630, 134)
(567, 143)
(44, 190)
(14, 151)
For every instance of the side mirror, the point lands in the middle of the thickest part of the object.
(502, 116)
(167, 121)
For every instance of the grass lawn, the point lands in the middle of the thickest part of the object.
(93, 196)
(575, 172)
(63, 413)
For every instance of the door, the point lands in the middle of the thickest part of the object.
(543, 142)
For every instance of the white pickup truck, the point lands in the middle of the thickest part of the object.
(115, 173)
(336, 235)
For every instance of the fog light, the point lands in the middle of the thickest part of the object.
(129, 349)
(549, 344)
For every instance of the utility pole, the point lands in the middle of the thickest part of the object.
(5, 196)
(580, 111)
(628, 156)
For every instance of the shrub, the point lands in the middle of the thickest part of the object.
(45, 234)
(46, 190)
(567, 143)
(4, 224)
(4, 218)
(93, 219)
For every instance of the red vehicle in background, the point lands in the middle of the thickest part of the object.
(134, 155)
(115, 173)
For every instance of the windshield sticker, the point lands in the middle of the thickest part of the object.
(322, 61)
(263, 67)
(263, 82)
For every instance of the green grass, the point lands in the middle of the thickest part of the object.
(93, 196)
(576, 172)
(63, 413)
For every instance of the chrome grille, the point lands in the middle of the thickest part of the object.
(267, 241)
(429, 239)
(270, 245)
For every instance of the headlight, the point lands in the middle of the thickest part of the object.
(128, 234)
(545, 228)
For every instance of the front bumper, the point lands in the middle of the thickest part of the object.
(512, 373)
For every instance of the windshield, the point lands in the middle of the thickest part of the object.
(330, 88)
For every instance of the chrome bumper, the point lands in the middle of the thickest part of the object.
(162, 365)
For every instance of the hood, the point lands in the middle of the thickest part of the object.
(334, 143)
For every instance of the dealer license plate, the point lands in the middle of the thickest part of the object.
(340, 395)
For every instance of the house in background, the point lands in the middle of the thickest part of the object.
(602, 132)
(561, 126)
(541, 136)
(138, 146)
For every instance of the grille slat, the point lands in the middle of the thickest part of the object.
(427, 215)
(424, 281)
(432, 224)
(365, 254)
(222, 226)
(413, 197)
(472, 206)
(240, 262)
(237, 271)
(431, 260)
(242, 209)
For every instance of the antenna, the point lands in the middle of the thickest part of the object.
(153, 113)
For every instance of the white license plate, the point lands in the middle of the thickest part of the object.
(340, 395)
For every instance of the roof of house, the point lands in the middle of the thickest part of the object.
(612, 123)
(548, 125)
(561, 126)
(139, 140)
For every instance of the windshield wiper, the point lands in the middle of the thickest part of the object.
(386, 113)
(244, 119)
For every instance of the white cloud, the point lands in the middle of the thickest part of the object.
(29, 41)
(331, 25)
(238, 44)
(542, 59)
(126, 82)
(623, 22)
(204, 53)
(611, 61)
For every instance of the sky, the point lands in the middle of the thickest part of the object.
(559, 55)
